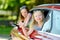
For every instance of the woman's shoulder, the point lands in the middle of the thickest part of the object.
(29, 14)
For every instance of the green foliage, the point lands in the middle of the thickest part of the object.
(12, 4)
(0, 2)
(6, 30)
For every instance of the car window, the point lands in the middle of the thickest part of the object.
(46, 28)
(56, 22)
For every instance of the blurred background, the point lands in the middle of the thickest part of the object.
(9, 11)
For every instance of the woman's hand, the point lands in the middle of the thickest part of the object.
(21, 24)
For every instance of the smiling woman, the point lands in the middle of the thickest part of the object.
(22, 23)
(36, 23)
(37, 18)
(52, 25)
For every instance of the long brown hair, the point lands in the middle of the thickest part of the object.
(20, 15)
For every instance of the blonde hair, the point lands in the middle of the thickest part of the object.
(33, 22)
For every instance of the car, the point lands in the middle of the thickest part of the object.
(52, 13)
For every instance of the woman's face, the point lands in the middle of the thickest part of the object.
(38, 16)
(24, 12)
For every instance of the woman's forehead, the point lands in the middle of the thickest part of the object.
(23, 10)
(37, 13)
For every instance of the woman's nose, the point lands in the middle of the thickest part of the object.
(39, 16)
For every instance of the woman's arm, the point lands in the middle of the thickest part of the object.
(15, 33)
(24, 29)
(22, 25)
(30, 30)
(27, 19)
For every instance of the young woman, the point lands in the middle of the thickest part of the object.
(24, 18)
(36, 22)
(24, 15)
(23, 22)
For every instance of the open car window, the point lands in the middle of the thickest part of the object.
(47, 24)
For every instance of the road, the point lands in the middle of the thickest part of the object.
(4, 37)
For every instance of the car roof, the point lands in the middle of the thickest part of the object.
(47, 6)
